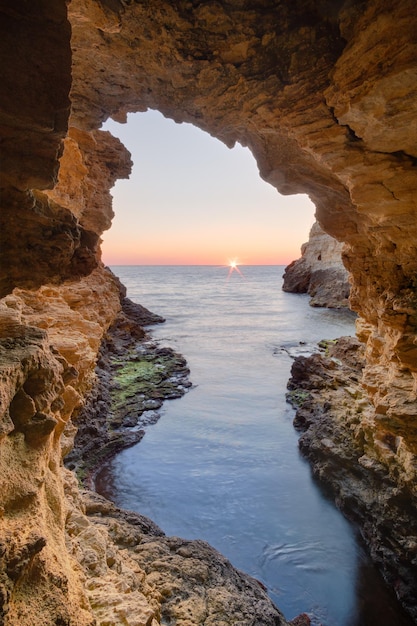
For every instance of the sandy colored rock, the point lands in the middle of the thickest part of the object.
(135, 575)
(90, 165)
(319, 272)
(186, 582)
(39, 583)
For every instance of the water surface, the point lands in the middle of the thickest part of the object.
(222, 464)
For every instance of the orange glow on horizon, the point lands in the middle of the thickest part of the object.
(138, 253)
(176, 258)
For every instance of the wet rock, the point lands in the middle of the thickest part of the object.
(134, 377)
(301, 620)
(132, 569)
(324, 96)
(332, 412)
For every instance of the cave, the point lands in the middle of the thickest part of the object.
(324, 95)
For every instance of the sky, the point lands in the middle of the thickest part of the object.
(190, 200)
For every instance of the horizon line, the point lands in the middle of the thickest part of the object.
(195, 264)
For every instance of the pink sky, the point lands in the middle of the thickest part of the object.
(190, 201)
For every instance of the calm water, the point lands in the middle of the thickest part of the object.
(222, 463)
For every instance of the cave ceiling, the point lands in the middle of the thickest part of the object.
(323, 93)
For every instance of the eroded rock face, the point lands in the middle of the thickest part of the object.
(34, 110)
(323, 93)
(137, 575)
(295, 84)
(48, 346)
(338, 439)
(319, 272)
(133, 378)
(38, 581)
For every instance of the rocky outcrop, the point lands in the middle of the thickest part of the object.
(134, 376)
(48, 348)
(362, 475)
(72, 558)
(39, 583)
(319, 272)
(134, 574)
(323, 93)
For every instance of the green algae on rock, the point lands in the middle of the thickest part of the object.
(134, 377)
(143, 379)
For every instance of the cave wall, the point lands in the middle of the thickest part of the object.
(323, 93)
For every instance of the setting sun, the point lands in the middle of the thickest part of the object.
(233, 267)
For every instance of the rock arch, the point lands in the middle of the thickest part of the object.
(323, 93)
(290, 84)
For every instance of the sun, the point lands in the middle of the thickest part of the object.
(233, 267)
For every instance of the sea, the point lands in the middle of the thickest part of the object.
(222, 463)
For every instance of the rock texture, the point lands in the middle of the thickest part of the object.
(338, 439)
(323, 93)
(319, 272)
(48, 345)
(57, 564)
(133, 378)
(134, 575)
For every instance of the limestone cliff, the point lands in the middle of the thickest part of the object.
(319, 272)
(323, 93)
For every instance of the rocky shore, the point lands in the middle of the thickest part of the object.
(136, 576)
(323, 94)
(134, 375)
(331, 409)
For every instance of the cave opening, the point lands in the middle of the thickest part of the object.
(190, 200)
